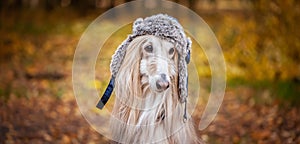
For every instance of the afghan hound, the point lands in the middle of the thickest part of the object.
(147, 108)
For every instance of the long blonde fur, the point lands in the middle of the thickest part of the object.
(142, 116)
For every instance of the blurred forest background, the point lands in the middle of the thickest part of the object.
(260, 41)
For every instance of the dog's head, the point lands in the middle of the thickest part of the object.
(156, 53)
(164, 33)
(150, 63)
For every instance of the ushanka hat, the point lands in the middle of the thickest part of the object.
(164, 27)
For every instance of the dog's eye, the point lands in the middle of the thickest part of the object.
(149, 48)
(171, 51)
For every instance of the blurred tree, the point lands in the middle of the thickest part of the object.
(83, 6)
(192, 4)
(278, 27)
(49, 5)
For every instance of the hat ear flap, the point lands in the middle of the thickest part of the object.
(183, 73)
(182, 79)
(118, 57)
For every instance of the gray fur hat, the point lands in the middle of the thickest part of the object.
(164, 27)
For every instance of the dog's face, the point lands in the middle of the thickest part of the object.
(158, 63)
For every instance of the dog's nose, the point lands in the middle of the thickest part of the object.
(162, 84)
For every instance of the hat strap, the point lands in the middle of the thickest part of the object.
(184, 113)
(187, 60)
(107, 93)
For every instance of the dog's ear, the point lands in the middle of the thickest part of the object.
(128, 83)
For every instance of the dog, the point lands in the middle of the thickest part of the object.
(149, 72)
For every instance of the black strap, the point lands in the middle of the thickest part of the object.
(184, 112)
(188, 57)
(107, 93)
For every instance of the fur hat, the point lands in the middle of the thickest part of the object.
(164, 27)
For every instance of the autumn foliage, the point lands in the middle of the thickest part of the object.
(260, 41)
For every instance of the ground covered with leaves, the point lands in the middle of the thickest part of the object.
(240, 120)
(44, 120)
